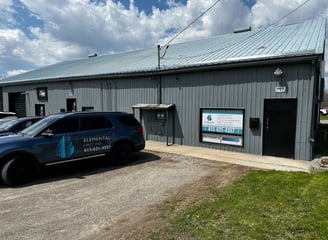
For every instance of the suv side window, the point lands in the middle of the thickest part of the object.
(93, 123)
(65, 125)
(128, 120)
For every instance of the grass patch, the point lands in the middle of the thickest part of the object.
(323, 117)
(261, 205)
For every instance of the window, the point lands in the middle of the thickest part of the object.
(71, 105)
(42, 93)
(65, 125)
(128, 120)
(39, 110)
(93, 123)
(27, 124)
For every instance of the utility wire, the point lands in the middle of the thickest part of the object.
(291, 12)
(195, 20)
(261, 30)
(184, 29)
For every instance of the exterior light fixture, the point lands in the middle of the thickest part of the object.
(278, 72)
(282, 88)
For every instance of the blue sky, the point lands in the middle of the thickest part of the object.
(37, 33)
(147, 6)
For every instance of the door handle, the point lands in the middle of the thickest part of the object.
(267, 122)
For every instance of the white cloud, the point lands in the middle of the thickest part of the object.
(76, 28)
(172, 3)
(266, 12)
(18, 51)
(15, 72)
(111, 27)
(6, 13)
(45, 50)
(10, 35)
(10, 39)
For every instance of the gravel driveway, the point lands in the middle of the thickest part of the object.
(76, 201)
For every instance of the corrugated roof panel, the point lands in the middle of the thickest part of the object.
(273, 42)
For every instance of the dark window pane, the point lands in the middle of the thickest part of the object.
(128, 120)
(92, 123)
(65, 126)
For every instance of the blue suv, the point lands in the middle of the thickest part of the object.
(67, 137)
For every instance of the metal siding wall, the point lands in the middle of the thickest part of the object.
(235, 88)
(86, 93)
(133, 91)
(103, 95)
(5, 100)
(240, 88)
(1, 99)
(129, 92)
(303, 147)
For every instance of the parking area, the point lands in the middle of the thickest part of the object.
(82, 200)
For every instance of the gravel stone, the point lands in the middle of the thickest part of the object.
(77, 200)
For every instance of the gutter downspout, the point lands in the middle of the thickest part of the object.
(159, 89)
(159, 80)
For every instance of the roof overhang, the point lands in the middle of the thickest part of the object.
(150, 106)
(234, 63)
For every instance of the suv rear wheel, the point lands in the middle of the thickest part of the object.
(122, 153)
(17, 170)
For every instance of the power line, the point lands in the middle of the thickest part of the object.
(195, 20)
(179, 33)
(258, 32)
(291, 12)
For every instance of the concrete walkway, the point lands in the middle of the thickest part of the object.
(251, 160)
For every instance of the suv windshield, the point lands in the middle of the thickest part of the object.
(7, 125)
(39, 126)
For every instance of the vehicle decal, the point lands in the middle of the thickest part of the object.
(65, 147)
(93, 144)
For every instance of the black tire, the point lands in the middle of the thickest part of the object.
(122, 154)
(17, 171)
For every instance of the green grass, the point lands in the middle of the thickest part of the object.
(261, 205)
(323, 117)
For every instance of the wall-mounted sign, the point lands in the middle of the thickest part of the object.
(280, 89)
(224, 126)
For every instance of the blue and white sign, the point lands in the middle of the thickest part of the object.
(223, 121)
(227, 124)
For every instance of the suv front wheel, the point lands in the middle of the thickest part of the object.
(17, 170)
(122, 153)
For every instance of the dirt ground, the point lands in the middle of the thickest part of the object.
(94, 201)
(142, 223)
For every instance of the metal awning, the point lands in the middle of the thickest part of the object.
(159, 107)
(153, 106)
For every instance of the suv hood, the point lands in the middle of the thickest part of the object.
(11, 138)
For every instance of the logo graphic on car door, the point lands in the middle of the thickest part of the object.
(65, 147)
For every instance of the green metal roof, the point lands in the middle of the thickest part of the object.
(302, 39)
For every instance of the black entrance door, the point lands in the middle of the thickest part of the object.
(17, 103)
(279, 127)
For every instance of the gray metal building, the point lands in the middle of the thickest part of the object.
(256, 92)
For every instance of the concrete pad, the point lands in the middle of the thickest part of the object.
(245, 159)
